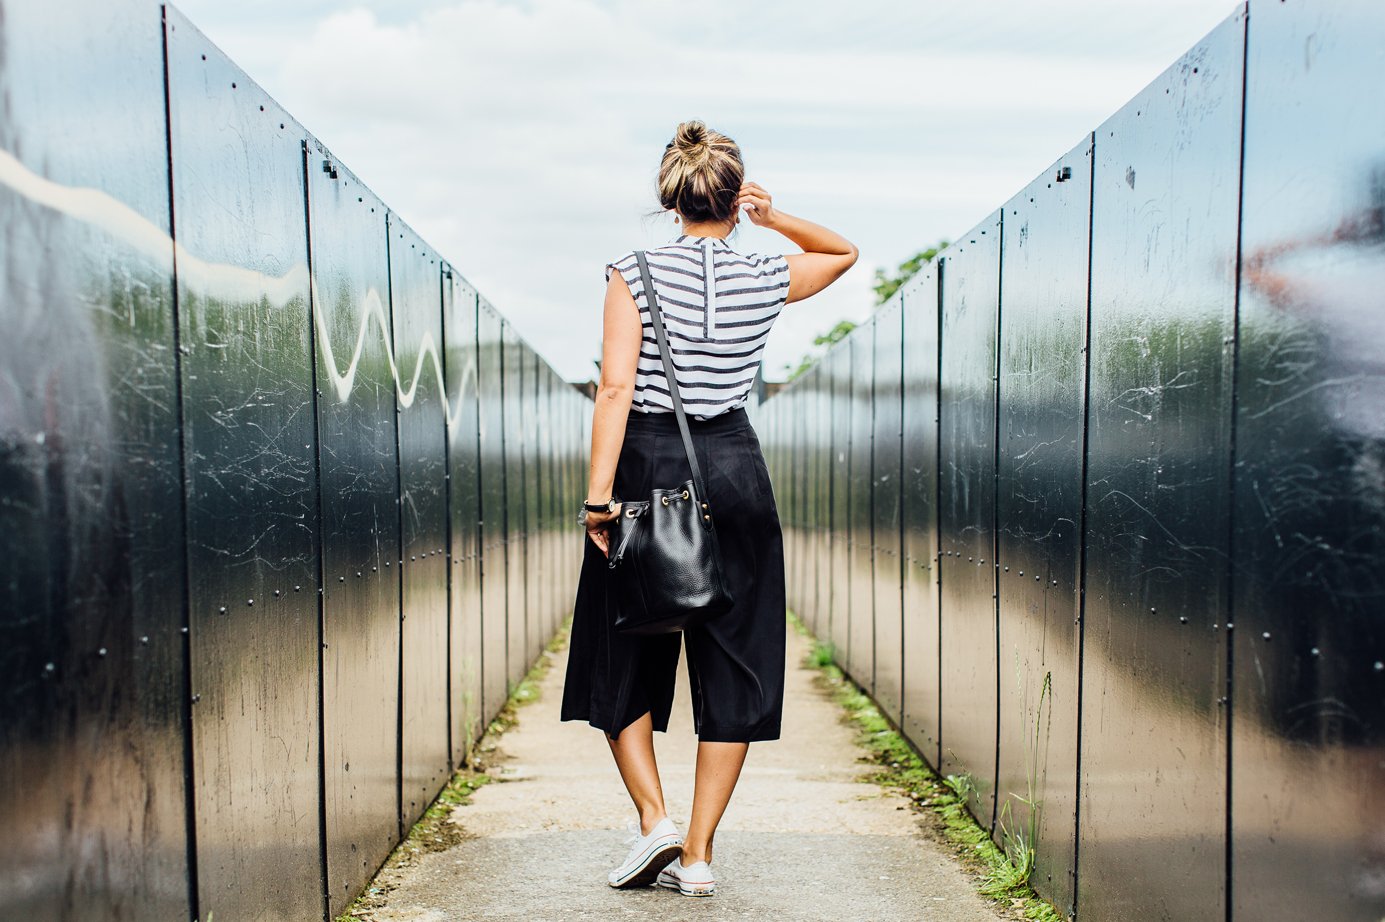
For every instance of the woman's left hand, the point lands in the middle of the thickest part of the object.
(598, 525)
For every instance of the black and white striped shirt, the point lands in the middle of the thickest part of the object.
(716, 333)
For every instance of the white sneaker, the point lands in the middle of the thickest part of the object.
(692, 881)
(648, 854)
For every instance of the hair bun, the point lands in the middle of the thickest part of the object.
(690, 140)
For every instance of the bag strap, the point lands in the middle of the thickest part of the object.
(653, 302)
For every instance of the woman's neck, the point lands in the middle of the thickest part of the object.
(721, 229)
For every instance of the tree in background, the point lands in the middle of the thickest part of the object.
(886, 284)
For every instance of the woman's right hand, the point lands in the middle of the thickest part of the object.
(757, 204)
(598, 525)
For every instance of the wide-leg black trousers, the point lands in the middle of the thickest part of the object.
(735, 661)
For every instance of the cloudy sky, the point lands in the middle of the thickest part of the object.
(521, 139)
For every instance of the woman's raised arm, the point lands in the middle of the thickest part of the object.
(826, 254)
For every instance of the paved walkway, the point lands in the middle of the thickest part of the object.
(803, 839)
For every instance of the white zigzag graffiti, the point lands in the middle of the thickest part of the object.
(236, 283)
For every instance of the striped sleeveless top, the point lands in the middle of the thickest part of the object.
(718, 306)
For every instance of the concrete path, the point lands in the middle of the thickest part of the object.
(803, 839)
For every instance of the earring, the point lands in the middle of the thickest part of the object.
(675, 219)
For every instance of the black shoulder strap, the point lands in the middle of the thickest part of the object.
(659, 334)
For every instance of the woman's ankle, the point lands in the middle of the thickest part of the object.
(692, 856)
(651, 818)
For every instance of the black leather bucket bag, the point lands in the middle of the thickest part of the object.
(666, 565)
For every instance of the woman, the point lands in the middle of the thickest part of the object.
(718, 306)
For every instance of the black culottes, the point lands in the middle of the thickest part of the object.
(736, 660)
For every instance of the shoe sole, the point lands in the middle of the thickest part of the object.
(690, 890)
(658, 860)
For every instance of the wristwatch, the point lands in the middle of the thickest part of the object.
(608, 506)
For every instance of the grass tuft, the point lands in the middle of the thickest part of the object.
(898, 767)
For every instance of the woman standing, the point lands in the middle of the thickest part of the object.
(718, 306)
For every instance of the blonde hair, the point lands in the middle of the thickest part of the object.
(700, 174)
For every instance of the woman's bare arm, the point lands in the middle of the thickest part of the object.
(826, 254)
(620, 352)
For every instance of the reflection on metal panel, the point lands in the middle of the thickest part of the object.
(1043, 329)
(919, 512)
(966, 508)
(416, 310)
(494, 630)
(464, 505)
(359, 478)
(92, 701)
(885, 508)
(1308, 772)
(1164, 219)
(251, 485)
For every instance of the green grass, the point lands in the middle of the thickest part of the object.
(432, 832)
(1001, 877)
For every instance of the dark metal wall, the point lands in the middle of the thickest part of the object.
(276, 491)
(1140, 494)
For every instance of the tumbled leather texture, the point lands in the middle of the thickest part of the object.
(666, 565)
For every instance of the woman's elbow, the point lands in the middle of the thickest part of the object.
(615, 391)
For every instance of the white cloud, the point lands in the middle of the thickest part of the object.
(521, 139)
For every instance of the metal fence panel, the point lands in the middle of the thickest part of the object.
(251, 484)
(860, 652)
(885, 508)
(838, 361)
(516, 537)
(359, 479)
(92, 697)
(416, 311)
(1308, 784)
(494, 628)
(966, 511)
(1164, 216)
(1043, 336)
(464, 507)
(919, 512)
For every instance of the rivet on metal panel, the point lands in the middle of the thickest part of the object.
(277, 593)
(387, 563)
(183, 629)
(196, 698)
(341, 579)
(1021, 572)
(375, 569)
(1266, 635)
(358, 574)
(101, 652)
(1379, 666)
(1007, 569)
(297, 588)
(221, 610)
(1183, 619)
(144, 639)
(1230, 625)
(1313, 652)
